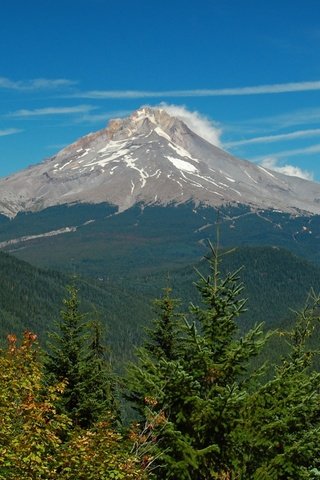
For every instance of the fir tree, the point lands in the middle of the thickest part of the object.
(208, 413)
(197, 391)
(162, 339)
(280, 429)
(76, 356)
(162, 344)
(99, 377)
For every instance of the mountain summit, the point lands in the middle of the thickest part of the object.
(154, 158)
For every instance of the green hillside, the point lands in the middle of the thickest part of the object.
(275, 280)
(31, 298)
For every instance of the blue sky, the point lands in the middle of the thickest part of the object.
(246, 72)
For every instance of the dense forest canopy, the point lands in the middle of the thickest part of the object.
(204, 407)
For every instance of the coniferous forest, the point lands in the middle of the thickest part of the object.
(159, 240)
(200, 398)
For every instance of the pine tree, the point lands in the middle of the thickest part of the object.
(76, 356)
(280, 431)
(191, 398)
(162, 344)
(207, 413)
(162, 340)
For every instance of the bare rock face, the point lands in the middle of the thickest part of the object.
(154, 158)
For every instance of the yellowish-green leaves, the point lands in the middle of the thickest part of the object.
(37, 442)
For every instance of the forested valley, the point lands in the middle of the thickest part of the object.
(206, 391)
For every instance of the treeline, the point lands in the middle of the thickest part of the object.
(204, 410)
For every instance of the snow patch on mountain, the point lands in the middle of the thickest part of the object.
(161, 133)
(152, 155)
(181, 164)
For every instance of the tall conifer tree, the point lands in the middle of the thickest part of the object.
(208, 414)
(192, 397)
(76, 356)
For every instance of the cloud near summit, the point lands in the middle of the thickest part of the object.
(201, 125)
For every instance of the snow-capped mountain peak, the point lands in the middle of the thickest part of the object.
(152, 157)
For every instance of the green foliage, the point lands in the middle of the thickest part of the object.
(30, 297)
(280, 424)
(206, 413)
(150, 238)
(162, 341)
(99, 453)
(76, 356)
(196, 390)
(30, 427)
(37, 442)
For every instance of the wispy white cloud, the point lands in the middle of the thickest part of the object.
(35, 84)
(10, 131)
(276, 138)
(78, 109)
(273, 164)
(198, 123)
(250, 90)
(273, 161)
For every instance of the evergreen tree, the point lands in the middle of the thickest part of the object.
(76, 356)
(192, 398)
(207, 413)
(162, 339)
(99, 378)
(161, 345)
(280, 429)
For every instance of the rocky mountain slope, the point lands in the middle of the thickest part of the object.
(153, 158)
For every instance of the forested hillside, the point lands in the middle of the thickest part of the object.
(31, 298)
(275, 281)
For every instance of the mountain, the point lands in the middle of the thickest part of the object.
(143, 196)
(152, 158)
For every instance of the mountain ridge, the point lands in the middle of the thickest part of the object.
(153, 158)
